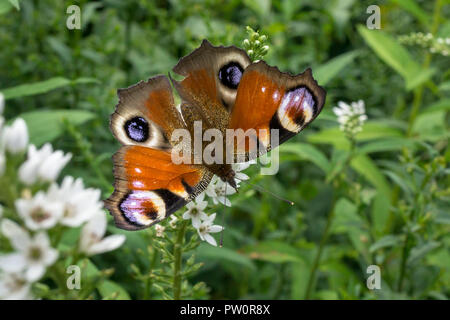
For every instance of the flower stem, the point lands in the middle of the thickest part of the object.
(418, 92)
(177, 252)
(315, 266)
(316, 262)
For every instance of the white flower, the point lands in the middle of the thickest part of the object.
(14, 286)
(33, 255)
(159, 230)
(43, 164)
(2, 103)
(351, 117)
(206, 227)
(78, 204)
(39, 212)
(15, 136)
(173, 221)
(91, 239)
(217, 190)
(239, 167)
(195, 210)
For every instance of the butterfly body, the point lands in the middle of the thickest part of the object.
(222, 94)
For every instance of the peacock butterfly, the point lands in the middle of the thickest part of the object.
(224, 90)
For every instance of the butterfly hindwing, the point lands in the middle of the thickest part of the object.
(270, 99)
(149, 186)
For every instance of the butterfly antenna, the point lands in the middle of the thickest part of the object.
(223, 216)
(261, 189)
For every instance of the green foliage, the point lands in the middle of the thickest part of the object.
(381, 198)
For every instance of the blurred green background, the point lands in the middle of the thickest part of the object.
(383, 202)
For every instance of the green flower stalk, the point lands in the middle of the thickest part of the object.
(255, 45)
(435, 45)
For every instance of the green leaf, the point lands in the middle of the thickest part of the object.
(273, 251)
(348, 221)
(15, 3)
(421, 251)
(64, 52)
(111, 290)
(346, 217)
(371, 130)
(44, 126)
(415, 10)
(383, 145)
(42, 87)
(384, 242)
(329, 70)
(307, 152)
(431, 126)
(396, 56)
(442, 105)
(300, 276)
(380, 213)
(207, 251)
(5, 7)
(367, 168)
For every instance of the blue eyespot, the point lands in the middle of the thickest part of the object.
(137, 129)
(230, 75)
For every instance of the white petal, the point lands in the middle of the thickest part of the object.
(210, 240)
(42, 239)
(15, 137)
(241, 176)
(202, 206)
(13, 262)
(215, 228)
(107, 244)
(28, 171)
(35, 272)
(200, 234)
(187, 215)
(20, 240)
(196, 222)
(50, 256)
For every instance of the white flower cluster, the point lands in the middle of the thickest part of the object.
(217, 191)
(67, 205)
(351, 117)
(434, 44)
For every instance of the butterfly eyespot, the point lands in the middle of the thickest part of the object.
(142, 208)
(230, 75)
(137, 129)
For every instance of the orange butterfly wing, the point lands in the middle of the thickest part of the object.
(148, 185)
(268, 99)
